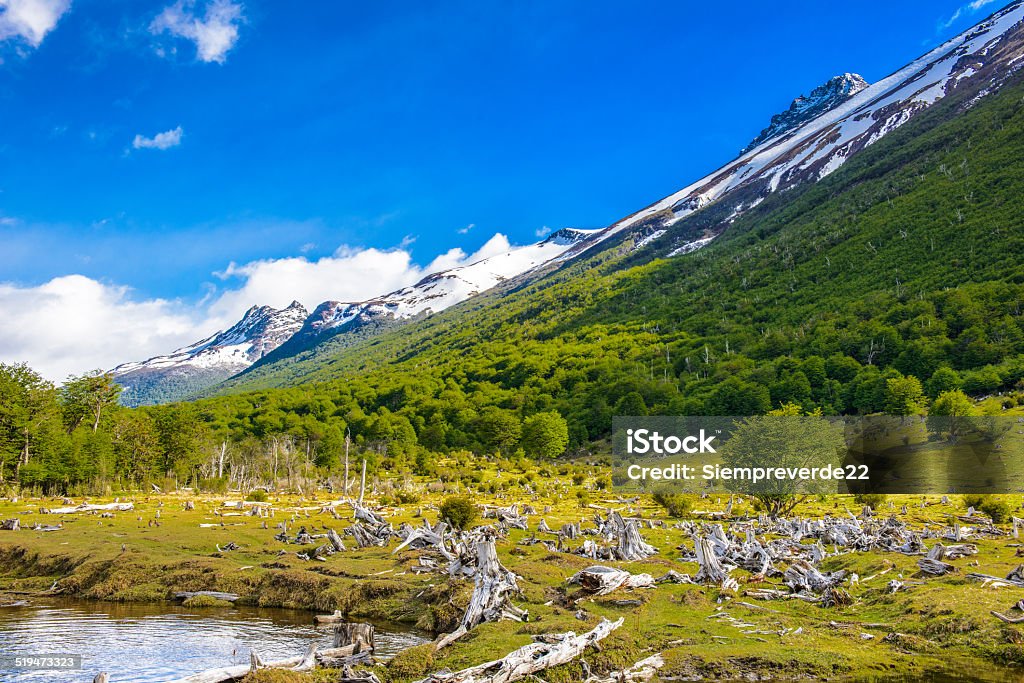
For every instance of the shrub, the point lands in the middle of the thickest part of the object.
(998, 509)
(675, 504)
(974, 500)
(258, 496)
(458, 511)
(872, 500)
(407, 497)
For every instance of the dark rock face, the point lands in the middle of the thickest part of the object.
(825, 97)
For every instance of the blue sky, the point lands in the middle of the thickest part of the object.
(146, 146)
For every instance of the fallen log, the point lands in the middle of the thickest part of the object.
(115, 507)
(935, 567)
(231, 673)
(644, 670)
(1008, 620)
(227, 597)
(529, 659)
(329, 618)
(10, 524)
(601, 580)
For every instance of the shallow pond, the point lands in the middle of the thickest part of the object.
(152, 643)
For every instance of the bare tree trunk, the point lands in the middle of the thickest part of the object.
(362, 484)
(348, 440)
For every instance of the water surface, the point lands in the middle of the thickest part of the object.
(152, 643)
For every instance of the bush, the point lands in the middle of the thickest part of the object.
(675, 504)
(974, 500)
(258, 496)
(407, 497)
(998, 509)
(458, 511)
(872, 500)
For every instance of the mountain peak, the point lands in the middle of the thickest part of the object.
(261, 330)
(826, 96)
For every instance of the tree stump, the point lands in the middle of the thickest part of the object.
(10, 524)
(357, 634)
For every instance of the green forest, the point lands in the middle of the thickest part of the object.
(894, 285)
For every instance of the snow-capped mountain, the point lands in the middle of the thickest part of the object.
(261, 330)
(432, 294)
(795, 150)
(825, 97)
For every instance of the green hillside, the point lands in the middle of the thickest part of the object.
(908, 261)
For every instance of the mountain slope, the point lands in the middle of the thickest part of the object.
(975, 63)
(958, 74)
(434, 293)
(209, 361)
(824, 98)
(904, 261)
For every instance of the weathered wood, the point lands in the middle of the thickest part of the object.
(115, 507)
(529, 659)
(711, 569)
(491, 598)
(601, 580)
(335, 540)
(329, 618)
(231, 673)
(227, 597)
(356, 634)
(644, 670)
(10, 524)
(1008, 620)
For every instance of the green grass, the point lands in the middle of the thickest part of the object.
(939, 619)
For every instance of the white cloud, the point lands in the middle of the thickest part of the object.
(465, 230)
(969, 8)
(74, 323)
(165, 140)
(30, 20)
(542, 231)
(348, 275)
(214, 34)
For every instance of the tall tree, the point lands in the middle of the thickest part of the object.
(85, 397)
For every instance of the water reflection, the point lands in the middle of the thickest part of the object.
(150, 643)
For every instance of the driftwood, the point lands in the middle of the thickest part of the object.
(329, 618)
(644, 670)
(490, 600)
(711, 569)
(10, 525)
(630, 545)
(335, 540)
(510, 516)
(114, 507)
(555, 650)
(358, 636)
(804, 577)
(227, 597)
(231, 673)
(1008, 620)
(601, 580)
